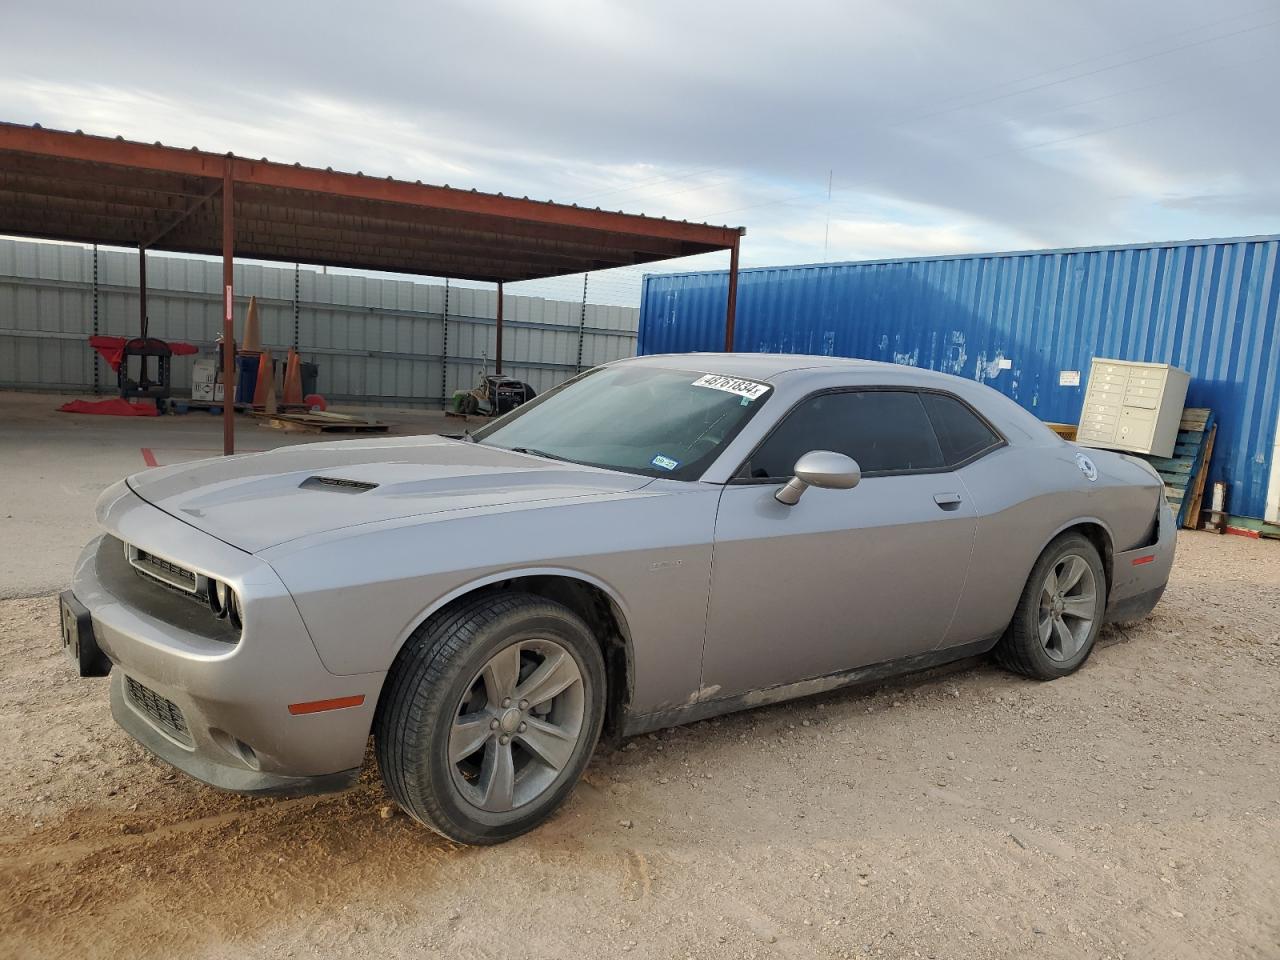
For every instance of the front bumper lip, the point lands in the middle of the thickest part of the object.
(224, 776)
(229, 694)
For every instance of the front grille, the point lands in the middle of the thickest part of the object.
(144, 592)
(163, 712)
(163, 570)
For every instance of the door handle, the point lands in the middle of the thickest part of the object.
(947, 501)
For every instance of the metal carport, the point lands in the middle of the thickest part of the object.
(57, 185)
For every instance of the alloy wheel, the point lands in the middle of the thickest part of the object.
(1068, 607)
(517, 725)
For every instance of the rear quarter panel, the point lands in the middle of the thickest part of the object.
(1027, 495)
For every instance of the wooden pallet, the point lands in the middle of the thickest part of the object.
(240, 407)
(1185, 472)
(212, 405)
(1067, 431)
(320, 422)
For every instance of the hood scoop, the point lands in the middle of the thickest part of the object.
(336, 485)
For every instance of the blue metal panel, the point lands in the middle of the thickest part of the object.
(1210, 307)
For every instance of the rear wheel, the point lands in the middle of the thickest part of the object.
(490, 717)
(1060, 612)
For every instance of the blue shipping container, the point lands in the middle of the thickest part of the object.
(1017, 321)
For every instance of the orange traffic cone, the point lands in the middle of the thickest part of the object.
(252, 342)
(269, 404)
(266, 376)
(293, 379)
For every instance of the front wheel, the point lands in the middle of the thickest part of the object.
(490, 715)
(1060, 612)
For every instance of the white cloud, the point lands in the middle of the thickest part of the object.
(933, 117)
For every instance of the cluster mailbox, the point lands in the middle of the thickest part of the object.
(1133, 406)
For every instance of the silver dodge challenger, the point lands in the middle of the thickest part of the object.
(657, 541)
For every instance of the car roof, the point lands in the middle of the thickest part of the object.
(757, 366)
(794, 371)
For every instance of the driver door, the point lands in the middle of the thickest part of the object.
(844, 578)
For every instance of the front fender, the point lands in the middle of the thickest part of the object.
(513, 573)
(363, 591)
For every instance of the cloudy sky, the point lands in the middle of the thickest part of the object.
(832, 131)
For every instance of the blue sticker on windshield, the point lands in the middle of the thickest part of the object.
(664, 463)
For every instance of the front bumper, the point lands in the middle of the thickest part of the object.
(1139, 577)
(215, 708)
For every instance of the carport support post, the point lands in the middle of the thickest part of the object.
(142, 293)
(731, 304)
(228, 318)
(498, 361)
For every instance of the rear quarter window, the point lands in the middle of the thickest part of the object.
(962, 434)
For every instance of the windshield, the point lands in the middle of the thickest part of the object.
(655, 422)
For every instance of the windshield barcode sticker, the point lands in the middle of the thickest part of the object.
(742, 388)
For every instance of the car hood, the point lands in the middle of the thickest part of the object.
(260, 500)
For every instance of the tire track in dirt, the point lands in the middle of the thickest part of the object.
(242, 869)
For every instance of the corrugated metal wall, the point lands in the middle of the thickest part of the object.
(1209, 307)
(376, 340)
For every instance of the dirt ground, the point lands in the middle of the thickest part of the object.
(1132, 810)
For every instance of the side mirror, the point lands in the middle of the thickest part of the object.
(820, 468)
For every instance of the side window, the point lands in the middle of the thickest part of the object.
(960, 433)
(883, 430)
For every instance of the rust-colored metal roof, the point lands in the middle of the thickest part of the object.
(71, 186)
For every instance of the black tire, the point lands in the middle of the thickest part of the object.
(1021, 649)
(427, 688)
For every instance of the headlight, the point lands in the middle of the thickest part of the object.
(224, 602)
(234, 613)
(217, 598)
